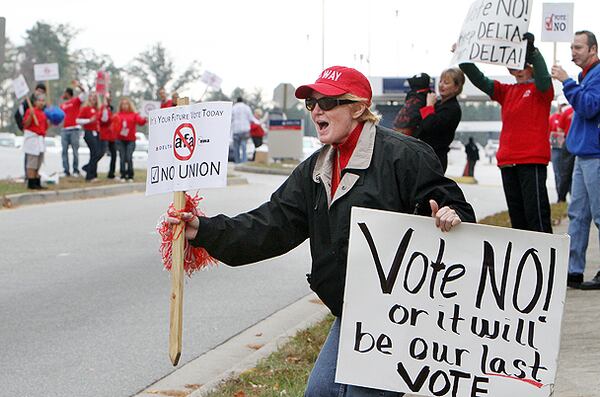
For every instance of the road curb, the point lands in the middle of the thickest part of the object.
(239, 353)
(263, 170)
(50, 196)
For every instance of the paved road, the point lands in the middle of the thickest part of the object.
(84, 300)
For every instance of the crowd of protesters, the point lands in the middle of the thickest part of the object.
(530, 137)
(82, 114)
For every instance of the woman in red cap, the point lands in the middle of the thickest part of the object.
(360, 164)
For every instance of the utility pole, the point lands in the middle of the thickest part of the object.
(2, 38)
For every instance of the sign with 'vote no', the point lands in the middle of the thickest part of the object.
(473, 312)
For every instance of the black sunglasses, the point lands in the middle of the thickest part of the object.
(326, 103)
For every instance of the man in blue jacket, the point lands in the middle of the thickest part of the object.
(584, 142)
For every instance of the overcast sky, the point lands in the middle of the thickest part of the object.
(262, 43)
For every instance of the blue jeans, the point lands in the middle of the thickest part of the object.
(239, 144)
(93, 141)
(70, 136)
(583, 208)
(556, 167)
(321, 382)
(111, 148)
(126, 149)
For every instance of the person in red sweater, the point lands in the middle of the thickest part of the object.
(567, 160)
(256, 131)
(524, 150)
(107, 135)
(557, 140)
(35, 125)
(125, 123)
(89, 118)
(69, 135)
(164, 101)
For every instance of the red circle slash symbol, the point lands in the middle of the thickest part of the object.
(184, 141)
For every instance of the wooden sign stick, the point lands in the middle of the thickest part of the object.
(177, 274)
(35, 120)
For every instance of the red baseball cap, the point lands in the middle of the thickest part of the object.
(338, 80)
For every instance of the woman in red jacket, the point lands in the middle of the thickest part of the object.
(88, 117)
(35, 125)
(107, 135)
(125, 126)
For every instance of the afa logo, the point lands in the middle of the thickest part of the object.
(184, 141)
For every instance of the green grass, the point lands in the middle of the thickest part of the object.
(558, 212)
(285, 372)
(8, 186)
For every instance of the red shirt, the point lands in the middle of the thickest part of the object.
(42, 125)
(565, 120)
(87, 112)
(524, 138)
(126, 125)
(343, 153)
(256, 130)
(106, 132)
(167, 104)
(553, 122)
(71, 109)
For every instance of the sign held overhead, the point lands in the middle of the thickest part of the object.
(492, 33)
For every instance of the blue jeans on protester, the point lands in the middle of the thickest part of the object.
(92, 139)
(126, 149)
(70, 136)
(556, 167)
(321, 382)
(111, 148)
(583, 209)
(239, 144)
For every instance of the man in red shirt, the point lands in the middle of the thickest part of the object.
(71, 131)
(557, 141)
(567, 160)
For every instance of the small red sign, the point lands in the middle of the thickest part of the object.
(184, 141)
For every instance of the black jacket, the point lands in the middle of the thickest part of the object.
(438, 129)
(387, 171)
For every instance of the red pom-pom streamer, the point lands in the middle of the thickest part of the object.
(195, 258)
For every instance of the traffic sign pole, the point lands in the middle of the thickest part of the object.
(177, 274)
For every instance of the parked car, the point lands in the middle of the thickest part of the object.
(141, 142)
(53, 144)
(8, 139)
(310, 144)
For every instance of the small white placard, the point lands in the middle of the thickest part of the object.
(20, 86)
(188, 147)
(46, 71)
(147, 106)
(557, 22)
(211, 80)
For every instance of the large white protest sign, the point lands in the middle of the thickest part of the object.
(46, 71)
(20, 86)
(188, 147)
(492, 33)
(557, 22)
(147, 106)
(471, 313)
